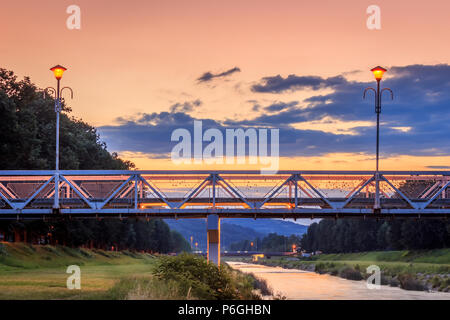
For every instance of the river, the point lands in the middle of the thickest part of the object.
(303, 285)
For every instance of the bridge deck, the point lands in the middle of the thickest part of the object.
(193, 194)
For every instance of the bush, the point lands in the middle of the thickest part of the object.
(436, 282)
(385, 280)
(261, 285)
(320, 268)
(195, 275)
(445, 284)
(3, 251)
(408, 282)
(350, 274)
(394, 282)
(334, 272)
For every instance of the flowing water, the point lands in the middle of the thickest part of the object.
(299, 285)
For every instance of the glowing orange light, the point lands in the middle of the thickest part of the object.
(378, 72)
(58, 71)
(251, 243)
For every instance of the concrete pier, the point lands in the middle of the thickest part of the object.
(213, 230)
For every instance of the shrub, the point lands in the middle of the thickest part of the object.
(394, 282)
(3, 251)
(350, 274)
(320, 268)
(261, 285)
(194, 274)
(385, 280)
(435, 282)
(408, 282)
(444, 286)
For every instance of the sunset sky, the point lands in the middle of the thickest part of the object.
(140, 69)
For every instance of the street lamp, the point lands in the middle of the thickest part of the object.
(58, 71)
(378, 74)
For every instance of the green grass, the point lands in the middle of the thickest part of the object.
(39, 272)
(438, 256)
(392, 262)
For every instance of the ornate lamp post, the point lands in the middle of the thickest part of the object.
(378, 73)
(58, 71)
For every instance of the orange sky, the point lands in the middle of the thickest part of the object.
(142, 56)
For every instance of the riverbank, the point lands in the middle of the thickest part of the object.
(294, 284)
(411, 270)
(39, 272)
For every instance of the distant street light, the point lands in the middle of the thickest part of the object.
(58, 71)
(378, 73)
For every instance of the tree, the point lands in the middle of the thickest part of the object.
(27, 119)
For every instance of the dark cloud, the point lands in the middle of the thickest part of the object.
(422, 104)
(279, 106)
(278, 84)
(208, 76)
(186, 106)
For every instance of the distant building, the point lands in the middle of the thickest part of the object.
(256, 256)
(306, 254)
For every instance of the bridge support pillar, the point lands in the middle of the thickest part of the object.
(213, 231)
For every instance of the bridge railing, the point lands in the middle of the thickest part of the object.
(227, 193)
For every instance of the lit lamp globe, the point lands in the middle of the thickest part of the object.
(58, 71)
(378, 72)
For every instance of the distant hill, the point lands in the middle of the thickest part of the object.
(234, 229)
(266, 226)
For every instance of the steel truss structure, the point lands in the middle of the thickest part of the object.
(244, 194)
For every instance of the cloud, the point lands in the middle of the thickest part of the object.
(278, 84)
(186, 106)
(279, 106)
(208, 76)
(422, 104)
(438, 167)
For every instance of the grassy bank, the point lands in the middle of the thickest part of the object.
(39, 272)
(411, 270)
